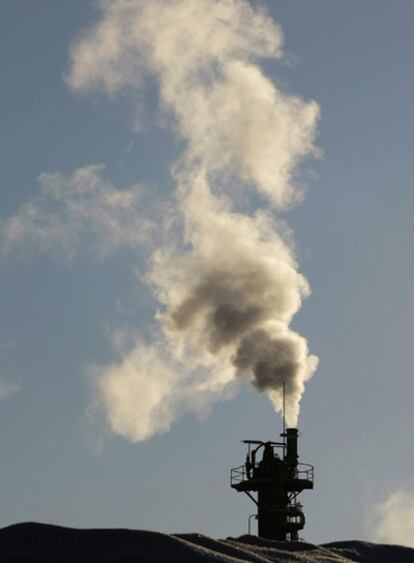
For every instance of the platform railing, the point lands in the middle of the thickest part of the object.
(239, 474)
(305, 471)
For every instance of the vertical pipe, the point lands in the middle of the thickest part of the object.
(292, 446)
(284, 419)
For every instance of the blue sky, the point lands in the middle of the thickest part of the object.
(353, 233)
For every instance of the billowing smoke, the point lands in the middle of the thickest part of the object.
(228, 281)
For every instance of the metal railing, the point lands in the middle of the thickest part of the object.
(305, 471)
(239, 474)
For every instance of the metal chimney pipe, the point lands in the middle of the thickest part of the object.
(292, 446)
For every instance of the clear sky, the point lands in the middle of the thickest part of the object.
(354, 233)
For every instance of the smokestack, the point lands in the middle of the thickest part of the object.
(292, 447)
(277, 480)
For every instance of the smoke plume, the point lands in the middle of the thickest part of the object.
(228, 282)
(83, 212)
(392, 521)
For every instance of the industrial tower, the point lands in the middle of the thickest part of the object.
(276, 480)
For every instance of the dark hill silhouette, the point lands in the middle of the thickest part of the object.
(46, 543)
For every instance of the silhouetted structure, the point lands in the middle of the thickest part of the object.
(277, 480)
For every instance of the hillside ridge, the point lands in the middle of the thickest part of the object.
(33, 541)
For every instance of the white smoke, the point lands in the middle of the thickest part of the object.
(138, 393)
(8, 388)
(80, 212)
(229, 286)
(394, 519)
